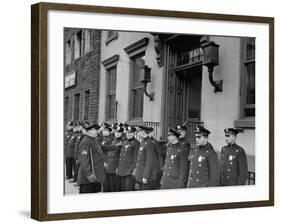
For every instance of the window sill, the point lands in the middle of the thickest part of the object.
(113, 37)
(248, 122)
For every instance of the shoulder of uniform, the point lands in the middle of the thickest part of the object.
(136, 141)
(224, 147)
(239, 149)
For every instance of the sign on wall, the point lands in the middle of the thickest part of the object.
(70, 80)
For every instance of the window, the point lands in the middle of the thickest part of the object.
(247, 100)
(111, 35)
(76, 106)
(66, 102)
(111, 93)
(87, 37)
(136, 87)
(249, 88)
(68, 52)
(86, 104)
(78, 44)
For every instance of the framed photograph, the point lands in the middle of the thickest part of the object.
(138, 111)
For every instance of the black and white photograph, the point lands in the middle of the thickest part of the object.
(156, 111)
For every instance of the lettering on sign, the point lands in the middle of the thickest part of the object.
(70, 80)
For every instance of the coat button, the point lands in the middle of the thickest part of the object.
(228, 170)
(227, 177)
(197, 172)
(200, 165)
(197, 180)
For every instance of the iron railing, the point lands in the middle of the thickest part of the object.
(251, 180)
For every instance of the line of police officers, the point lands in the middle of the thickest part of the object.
(109, 158)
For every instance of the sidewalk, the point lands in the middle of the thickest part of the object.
(70, 188)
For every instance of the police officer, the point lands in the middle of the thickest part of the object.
(204, 166)
(160, 156)
(68, 133)
(184, 141)
(128, 160)
(147, 166)
(76, 150)
(113, 152)
(183, 137)
(67, 136)
(70, 153)
(91, 171)
(175, 170)
(233, 163)
(107, 138)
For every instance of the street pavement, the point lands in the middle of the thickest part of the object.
(70, 188)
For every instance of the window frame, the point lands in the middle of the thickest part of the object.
(89, 31)
(78, 33)
(68, 53)
(86, 108)
(108, 64)
(244, 121)
(74, 106)
(113, 36)
(135, 88)
(133, 50)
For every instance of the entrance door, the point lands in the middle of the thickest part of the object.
(191, 80)
(184, 96)
(182, 81)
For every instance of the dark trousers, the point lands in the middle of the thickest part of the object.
(126, 183)
(149, 186)
(90, 188)
(69, 164)
(111, 183)
(76, 169)
(158, 181)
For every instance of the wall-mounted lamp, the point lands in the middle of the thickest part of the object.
(145, 77)
(211, 59)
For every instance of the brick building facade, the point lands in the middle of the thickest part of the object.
(81, 74)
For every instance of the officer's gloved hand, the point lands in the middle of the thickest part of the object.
(92, 178)
(144, 181)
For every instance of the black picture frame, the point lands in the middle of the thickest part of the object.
(39, 108)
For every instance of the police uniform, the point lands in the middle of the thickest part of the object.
(70, 156)
(147, 166)
(76, 155)
(106, 141)
(91, 161)
(127, 162)
(113, 154)
(233, 163)
(184, 141)
(204, 166)
(160, 157)
(175, 170)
